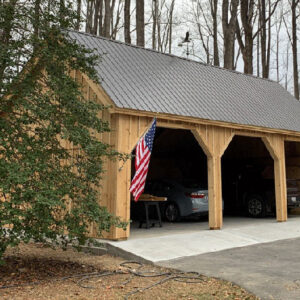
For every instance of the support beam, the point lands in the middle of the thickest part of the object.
(275, 145)
(120, 180)
(125, 135)
(214, 142)
(215, 214)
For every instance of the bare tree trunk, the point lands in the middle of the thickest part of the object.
(199, 13)
(277, 57)
(247, 17)
(263, 35)
(62, 13)
(107, 19)
(248, 55)
(229, 28)
(269, 40)
(140, 23)
(247, 7)
(112, 9)
(159, 43)
(154, 25)
(171, 25)
(278, 27)
(265, 38)
(36, 18)
(214, 10)
(100, 21)
(287, 67)
(257, 57)
(127, 22)
(78, 14)
(115, 26)
(89, 16)
(96, 17)
(294, 48)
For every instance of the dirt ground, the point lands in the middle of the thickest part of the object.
(35, 272)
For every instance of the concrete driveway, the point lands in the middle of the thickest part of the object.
(263, 256)
(193, 238)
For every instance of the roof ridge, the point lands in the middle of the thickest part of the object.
(172, 55)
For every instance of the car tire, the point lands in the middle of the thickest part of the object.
(256, 206)
(172, 213)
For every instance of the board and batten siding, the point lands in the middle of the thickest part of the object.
(127, 127)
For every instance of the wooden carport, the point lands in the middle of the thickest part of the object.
(213, 139)
(129, 122)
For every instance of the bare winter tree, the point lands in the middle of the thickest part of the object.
(248, 16)
(94, 17)
(214, 14)
(202, 18)
(89, 16)
(140, 23)
(116, 11)
(229, 29)
(265, 52)
(265, 27)
(155, 19)
(127, 22)
(278, 24)
(162, 25)
(79, 3)
(107, 19)
(216, 27)
(171, 25)
(246, 46)
(294, 5)
(103, 17)
(98, 16)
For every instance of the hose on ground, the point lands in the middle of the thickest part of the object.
(131, 269)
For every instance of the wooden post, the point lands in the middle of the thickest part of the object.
(124, 136)
(214, 142)
(119, 197)
(275, 145)
(215, 192)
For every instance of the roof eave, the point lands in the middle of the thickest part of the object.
(186, 122)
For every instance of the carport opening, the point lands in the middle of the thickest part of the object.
(248, 178)
(292, 160)
(177, 159)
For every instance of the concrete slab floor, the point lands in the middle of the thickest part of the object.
(185, 239)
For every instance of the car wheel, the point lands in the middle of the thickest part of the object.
(172, 213)
(256, 206)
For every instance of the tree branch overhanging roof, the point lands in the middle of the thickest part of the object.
(147, 80)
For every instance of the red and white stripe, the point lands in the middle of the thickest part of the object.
(142, 161)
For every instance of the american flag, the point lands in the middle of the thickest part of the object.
(142, 160)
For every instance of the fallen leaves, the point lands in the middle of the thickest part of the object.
(43, 269)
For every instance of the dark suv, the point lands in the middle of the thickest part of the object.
(255, 195)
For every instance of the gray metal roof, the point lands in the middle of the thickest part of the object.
(147, 80)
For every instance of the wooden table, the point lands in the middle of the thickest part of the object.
(150, 200)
